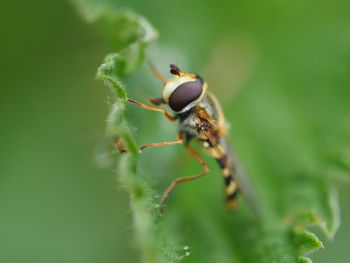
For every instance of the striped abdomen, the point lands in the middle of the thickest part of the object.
(231, 185)
(219, 152)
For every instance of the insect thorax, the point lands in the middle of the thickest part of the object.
(192, 120)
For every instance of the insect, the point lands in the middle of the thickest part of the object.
(200, 118)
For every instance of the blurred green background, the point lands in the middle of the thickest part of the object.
(56, 203)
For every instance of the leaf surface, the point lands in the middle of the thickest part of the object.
(291, 158)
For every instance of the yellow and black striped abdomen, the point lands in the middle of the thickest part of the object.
(228, 171)
(231, 185)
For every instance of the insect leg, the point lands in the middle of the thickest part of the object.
(174, 183)
(169, 117)
(121, 148)
(180, 140)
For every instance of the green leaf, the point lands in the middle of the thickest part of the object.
(292, 177)
(129, 34)
(306, 241)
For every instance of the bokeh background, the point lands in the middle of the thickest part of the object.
(57, 204)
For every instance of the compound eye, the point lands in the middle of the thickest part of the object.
(184, 94)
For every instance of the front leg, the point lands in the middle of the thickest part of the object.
(169, 117)
(120, 145)
(180, 140)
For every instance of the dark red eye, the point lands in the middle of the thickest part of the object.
(184, 94)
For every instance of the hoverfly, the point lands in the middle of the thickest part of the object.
(200, 118)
